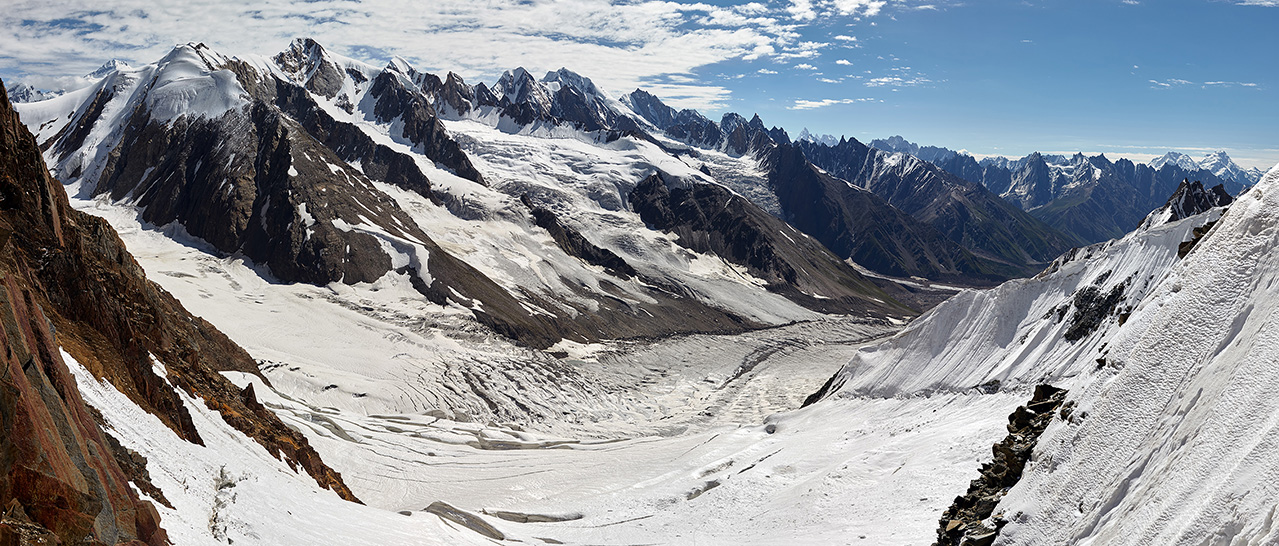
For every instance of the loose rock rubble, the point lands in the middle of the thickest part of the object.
(969, 520)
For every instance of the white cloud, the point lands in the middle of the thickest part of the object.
(846, 38)
(620, 44)
(802, 104)
(1177, 82)
(809, 10)
(866, 8)
(805, 66)
(844, 62)
(1231, 84)
(897, 81)
(766, 71)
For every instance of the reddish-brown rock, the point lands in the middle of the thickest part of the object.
(55, 462)
(67, 272)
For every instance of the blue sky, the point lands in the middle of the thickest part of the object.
(1125, 77)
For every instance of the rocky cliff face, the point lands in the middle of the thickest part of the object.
(1192, 198)
(113, 320)
(58, 473)
(707, 217)
(859, 225)
(1011, 242)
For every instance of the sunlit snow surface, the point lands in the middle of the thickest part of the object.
(626, 436)
(695, 439)
(622, 434)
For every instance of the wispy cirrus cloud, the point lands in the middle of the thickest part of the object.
(897, 81)
(804, 104)
(1178, 82)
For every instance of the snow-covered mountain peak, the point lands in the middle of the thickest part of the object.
(23, 93)
(1174, 158)
(303, 59)
(731, 121)
(190, 81)
(515, 84)
(108, 67)
(319, 70)
(1220, 164)
(1219, 156)
(568, 78)
(827, 139)
(399, 64)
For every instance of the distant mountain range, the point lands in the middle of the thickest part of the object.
(890, 213)
(892, 208)
(1091, 198)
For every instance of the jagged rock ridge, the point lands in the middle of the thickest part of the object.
(988, 240)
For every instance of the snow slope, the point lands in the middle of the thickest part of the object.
(1013, 333)
(1173, 439)
(622, 434)
(1179, 443)
(230, 490)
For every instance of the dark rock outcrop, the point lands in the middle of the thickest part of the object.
(1191, 198)
(421, 126)
(970, 520)
(1091, 308)
(857, 224)
(1009, 241)
(574, 244)
(1198, 233)
(709, 218)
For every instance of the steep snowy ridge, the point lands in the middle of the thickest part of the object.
(1171, 438)
(1015, 334)
(1181, 411)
